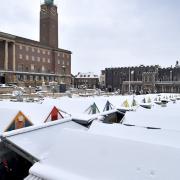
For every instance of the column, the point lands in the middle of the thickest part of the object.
(14, 57)
(6, 56)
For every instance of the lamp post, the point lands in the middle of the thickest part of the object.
(129, 81)
(53, 90)
(130, 73)
(30, 90)
(170, 75)
(132, 78)
(171, 79)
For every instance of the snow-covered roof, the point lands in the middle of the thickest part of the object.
(87, 118)
(38, 140)
(86, 75)
(70, 105)
(36, 113)
(83, 155)
(158, 117)
(78, 105)
(153, 136)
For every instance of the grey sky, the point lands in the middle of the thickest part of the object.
(104, 33)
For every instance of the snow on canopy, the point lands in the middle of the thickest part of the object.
(38, 140)
(70, 105)
(158, 117)
(153, 136)
(125, 102)
(83, 155)
(36, 113)
(77, 105)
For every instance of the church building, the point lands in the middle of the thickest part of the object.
(28, 62)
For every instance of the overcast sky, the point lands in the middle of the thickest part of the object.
(104, 33)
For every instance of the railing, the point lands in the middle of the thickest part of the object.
(167, 82)
(132, 82)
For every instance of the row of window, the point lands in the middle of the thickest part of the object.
(33, 68)
(86, 81)
(38, 69)
(27, 48)
(85, 76)
(63, 63)
(35, 78)
(67, 56)
(38, 59)
(43, 51)
(44, 60)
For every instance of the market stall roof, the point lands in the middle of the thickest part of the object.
(153, 136)
(38, 140)
(36, 113)
(158, 117)
(86, 119)
(84, 155)
(78, 105)
(70, 105)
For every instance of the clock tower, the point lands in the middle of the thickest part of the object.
(49, 24)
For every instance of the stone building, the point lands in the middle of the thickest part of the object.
(86, 80)
(29, 62)
(102, 80)
(143, 79)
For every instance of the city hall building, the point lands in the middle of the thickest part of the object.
(29, 62)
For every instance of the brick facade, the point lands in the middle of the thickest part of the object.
(32, 62)
(49, 25)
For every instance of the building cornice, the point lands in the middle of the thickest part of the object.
(29, 42)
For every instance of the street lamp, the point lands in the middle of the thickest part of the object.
(130, 73)
(30, 90)
(170, 75)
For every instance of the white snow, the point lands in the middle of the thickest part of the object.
(36, 113)
(157, 117)
(69, 151)
(152, 136)
(38, 140)
(85, 155)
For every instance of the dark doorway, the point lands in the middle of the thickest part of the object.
(2, 79)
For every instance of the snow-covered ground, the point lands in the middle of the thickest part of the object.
(158, 116)
(145, 147)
